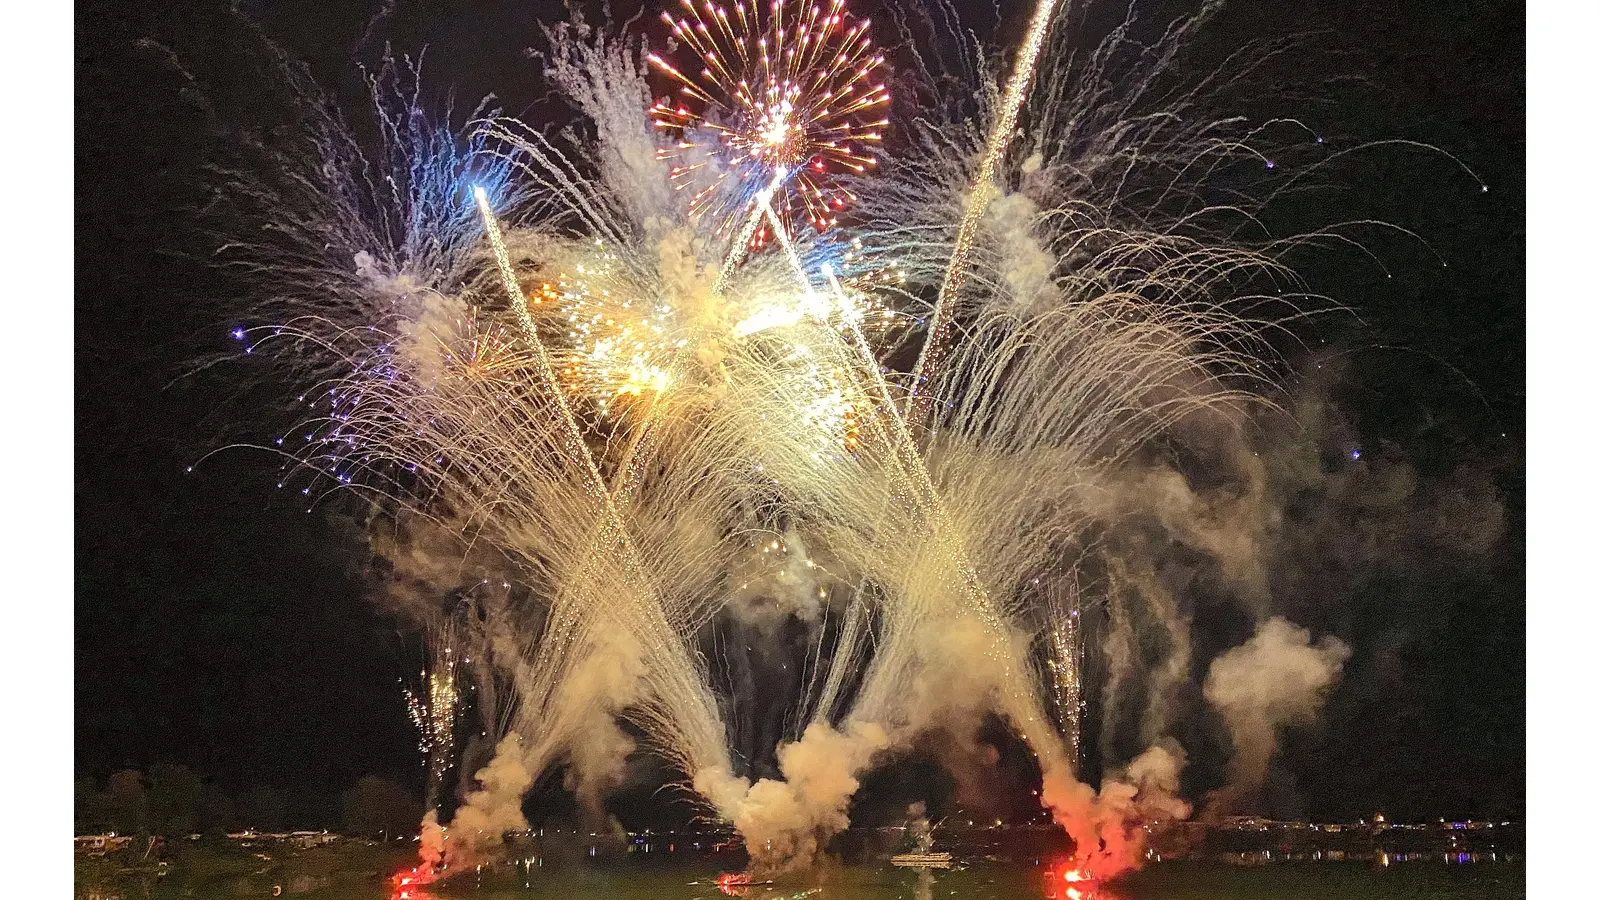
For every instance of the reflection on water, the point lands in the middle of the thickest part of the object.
(735, 885)
(1383, 858)
(1064, 881)
(1382, 875)
(1046, 882)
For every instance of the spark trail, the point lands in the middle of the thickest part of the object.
(693, 383)
(934, 345)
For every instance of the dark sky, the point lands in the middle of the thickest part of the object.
(220, 625)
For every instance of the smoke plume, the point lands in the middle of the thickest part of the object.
(486, 815)
(1276, 679)
(785, 823)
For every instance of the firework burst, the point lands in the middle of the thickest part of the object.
(789, 87)
(583, 369)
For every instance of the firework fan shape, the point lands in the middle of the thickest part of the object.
(786, 92)
(630, 414)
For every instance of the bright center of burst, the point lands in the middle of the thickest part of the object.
(774, 128)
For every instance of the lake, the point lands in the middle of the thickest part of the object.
(1433, 879)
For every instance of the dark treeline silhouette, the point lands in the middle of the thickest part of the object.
(173, 801)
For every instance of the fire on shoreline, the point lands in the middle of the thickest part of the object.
(409, 883)
(1064, 880)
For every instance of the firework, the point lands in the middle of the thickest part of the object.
(433, 711)
(788, 87)
(983, 190)
(592, 375)
(436, 704)
(1064, 667)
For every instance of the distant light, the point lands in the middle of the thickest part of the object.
(238, 334)
(1355, 454)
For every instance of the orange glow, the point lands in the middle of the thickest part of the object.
(408, 882)
(1064, 880)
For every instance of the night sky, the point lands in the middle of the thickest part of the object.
(221, 626)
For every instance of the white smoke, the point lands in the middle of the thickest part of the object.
(431, 842)
(785, 823)
(1155, 773)
(1276, 679)
(1025, 265)
(780, 580)
(426, 338)
(495, 808)
(1108, 828)
(918, 828)
(598, 690)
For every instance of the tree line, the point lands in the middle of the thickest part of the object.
(174, 802)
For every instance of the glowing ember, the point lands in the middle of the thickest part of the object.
(1066, 881)
(408, 885)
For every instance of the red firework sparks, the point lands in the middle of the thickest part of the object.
(792, 87)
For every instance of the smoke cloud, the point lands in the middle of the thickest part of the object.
(1276, 679)
(1026, 266)
(431, 842)
(1292, 516)
(785, 823)
(598, 752)
(483, 819)
(1108, 828)
(780, 580)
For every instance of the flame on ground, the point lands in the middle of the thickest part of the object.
(1065, 880)
(409, 883)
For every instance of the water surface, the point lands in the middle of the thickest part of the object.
(1434, 880)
